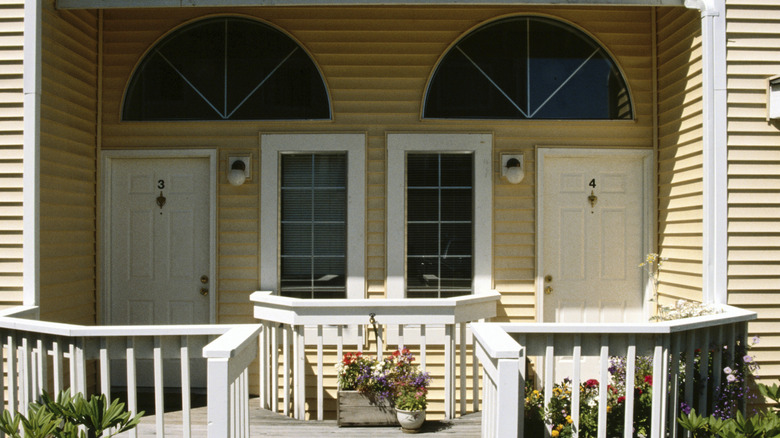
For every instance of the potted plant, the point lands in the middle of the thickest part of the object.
(372, 390)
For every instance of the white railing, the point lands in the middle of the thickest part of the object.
(51, 356)
(295, 327)
(564, 350)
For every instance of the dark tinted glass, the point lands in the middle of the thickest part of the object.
(226, 69)
(527, 68)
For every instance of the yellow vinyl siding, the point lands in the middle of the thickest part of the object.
(679, 153)
(753, 38)
(376, 62)
(68, 166)
(11, 127)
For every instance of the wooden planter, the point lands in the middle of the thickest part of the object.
(356, 409)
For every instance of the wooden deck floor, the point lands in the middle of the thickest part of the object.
(267, 424)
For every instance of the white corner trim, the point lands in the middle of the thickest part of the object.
(31, 152)
(397, 147)
(105, 232)
(715, 151)
(271, 146)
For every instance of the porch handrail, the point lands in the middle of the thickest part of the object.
(32, 350)
(667, 342)
(406, 322)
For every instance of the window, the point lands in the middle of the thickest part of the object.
(527, 68)
(439, 200)
(226, 68)
(313, 215)
(313, 225)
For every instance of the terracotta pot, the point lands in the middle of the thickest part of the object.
(410, 420)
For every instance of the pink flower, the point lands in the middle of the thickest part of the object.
(591, 383)
(649, 379)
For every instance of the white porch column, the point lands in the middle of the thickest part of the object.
(715, 154)
(31, 150)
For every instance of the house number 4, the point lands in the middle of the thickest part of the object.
(592, 183)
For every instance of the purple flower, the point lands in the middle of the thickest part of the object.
(728, 370)
(747, 358)
(730, 378)
(685, 408)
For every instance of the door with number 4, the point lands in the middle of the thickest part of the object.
(596, 219)
(160, 241)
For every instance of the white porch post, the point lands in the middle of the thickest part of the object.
(31, 150)
(715, 154)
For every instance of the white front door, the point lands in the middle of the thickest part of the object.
(595, 219)
(159, 254)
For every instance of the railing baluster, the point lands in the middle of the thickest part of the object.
(132, 395)
(674, 381)
(520, 385)
(13, 378)
(704, 370)
(320, 377)
(423, 347)
(717, 363)
(300, 379)
(43, 356)
(3, 366)
(286, 381)
(184, 357)
(274, 369)
(689, 360)
(56, 351)
(628, 421)
(449, 371)
(159, 401)
(26, 395)
(549, 366)
(462, 346)
(603, 385)
(400, 337)
(105, 369)
(576, 376)
(656, 417)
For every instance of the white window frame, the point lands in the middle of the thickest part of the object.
(272, 146)
(481, 146)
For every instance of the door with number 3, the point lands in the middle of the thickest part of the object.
(595, 225)
(159, 231)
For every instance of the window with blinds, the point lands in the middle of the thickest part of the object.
(313, 225)
(439, 224)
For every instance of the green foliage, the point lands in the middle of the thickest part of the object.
(761, 425)
(61, 418)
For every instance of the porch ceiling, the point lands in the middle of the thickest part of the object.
(105, 4)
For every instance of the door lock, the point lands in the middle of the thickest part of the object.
(548, 278)
(548, 290)
(204, 279)
(204, 291)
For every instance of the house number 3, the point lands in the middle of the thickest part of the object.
(161, 184)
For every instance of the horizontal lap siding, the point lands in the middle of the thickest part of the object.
(11, 127)
(376, 62)
(68, 170)
(753, 35)
(679, 154)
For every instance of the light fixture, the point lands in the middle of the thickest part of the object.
(239, 169)
(512, 167)
(773, 99)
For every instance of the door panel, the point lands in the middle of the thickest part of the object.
(159, 240)
(593, 220)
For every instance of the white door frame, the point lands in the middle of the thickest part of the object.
(648, 236)
(105, 216)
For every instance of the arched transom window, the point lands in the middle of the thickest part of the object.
(226, 68)
(527, 68)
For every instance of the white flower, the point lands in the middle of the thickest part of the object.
(728, 370)
(731, 378)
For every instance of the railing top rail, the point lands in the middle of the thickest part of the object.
(73, 330)
(728, 315)
(297, 311)
(495, 340)
(232, 342)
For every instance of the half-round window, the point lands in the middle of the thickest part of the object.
(527, 68)
(226, 68)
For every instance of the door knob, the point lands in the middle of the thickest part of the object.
(548, 290)
(548, 278)
(204, 291)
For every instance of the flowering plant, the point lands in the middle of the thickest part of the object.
(393, 378)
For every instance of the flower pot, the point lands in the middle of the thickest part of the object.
(410, 421)
(357, 409)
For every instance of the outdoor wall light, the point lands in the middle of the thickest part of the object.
(773, 99)
(512, 167)
(239, 169)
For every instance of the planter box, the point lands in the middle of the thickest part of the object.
(356, 409)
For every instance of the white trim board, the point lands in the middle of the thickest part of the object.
(105, 232)
(481, 145)
(648, 206)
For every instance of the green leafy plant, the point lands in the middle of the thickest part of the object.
(61, 418)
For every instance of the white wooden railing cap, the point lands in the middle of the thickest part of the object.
(233, 342)
(496, 342)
